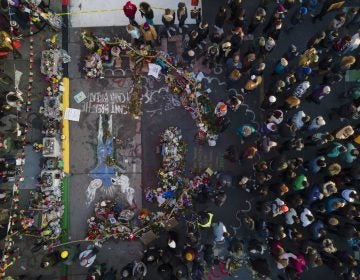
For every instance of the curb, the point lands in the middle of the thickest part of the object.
(65, 143)
(65, 127)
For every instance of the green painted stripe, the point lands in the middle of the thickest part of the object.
(65, 223)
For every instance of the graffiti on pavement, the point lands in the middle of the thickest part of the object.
(164, 100)
(106, 102)
(106, 173)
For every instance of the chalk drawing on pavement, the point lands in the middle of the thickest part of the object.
(106, 102)
(209, 80)
(159, 96)
(115, 73)
(106, 173)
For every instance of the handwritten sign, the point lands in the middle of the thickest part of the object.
(72, 114)
(107, 102)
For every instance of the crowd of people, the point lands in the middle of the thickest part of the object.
(306, 165)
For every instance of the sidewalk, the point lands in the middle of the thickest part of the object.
(109, 13)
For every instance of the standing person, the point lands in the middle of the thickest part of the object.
(220, 19)
(252, 83)
(354, 43)
(301, 89)
(269, 45)
(316, 123)
(276, 29)
(315, 41)
(188, 57)
(233, 79)
(182, 15)
(291, 53)
(234, 7)
(130, 11)
(279, 207)
(149, 33)
(308, 57)
(351, 154)
(193, 40)
(345, 64)
(147, 12)
(50, 259)
(211, 55)
(248, 61)
(245, 131)
(134, 32)
(324, 10)
(319, 93)
(236, 39)
(168, 19)
(221, 109)
(326, 64)
(344, 133)
(281, 66)
(351, 16)
(258, 19)
(336, 150)
(203, 30)
(316, 164)
(297, 18)
(233, 63)
(342, 44)
(337, 22)
(220, 231)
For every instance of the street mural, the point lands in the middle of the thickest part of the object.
(106, 102)
(108, 175)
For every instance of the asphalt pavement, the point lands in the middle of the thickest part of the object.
(160, 110)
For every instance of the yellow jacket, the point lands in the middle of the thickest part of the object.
(150, 34)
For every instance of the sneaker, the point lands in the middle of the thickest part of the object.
(180, 30)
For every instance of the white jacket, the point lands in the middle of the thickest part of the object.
(304, 219)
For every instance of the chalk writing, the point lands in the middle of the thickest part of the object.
(108, 102)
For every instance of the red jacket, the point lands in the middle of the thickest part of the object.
(130, 9)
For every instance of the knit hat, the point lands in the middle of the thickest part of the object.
(189, 257)
(303, 11)
(307, 70)
(284, 208)
(284, 62)
(262, 66)
(172, 244)
(262, 41)
(223, 107)
(327, 89)
(272, 98)
(284, 188)
(306, 84)
(320, 121)
(64, 254)
(281, 84)
(226, 45)
(261, 11)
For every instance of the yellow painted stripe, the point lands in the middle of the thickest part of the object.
(65, 127)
